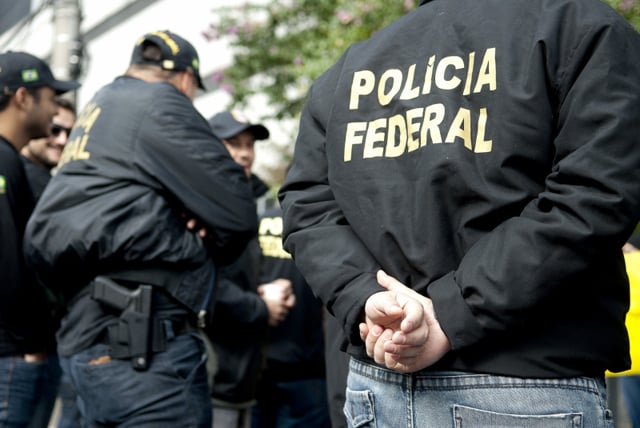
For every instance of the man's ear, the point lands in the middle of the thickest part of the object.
(22, 98)
(186, 81)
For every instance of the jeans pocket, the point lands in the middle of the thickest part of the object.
(359, 408)
(470, 417)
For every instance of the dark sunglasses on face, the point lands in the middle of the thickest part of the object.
(57, 129)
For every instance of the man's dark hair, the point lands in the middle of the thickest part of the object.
(66, 104)
(6, 95)
(151, 52)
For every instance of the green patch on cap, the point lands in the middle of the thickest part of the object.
(3, 185)
(30, 75)
(195, 64)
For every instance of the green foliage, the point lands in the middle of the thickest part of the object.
(281, 46)
(630, 9)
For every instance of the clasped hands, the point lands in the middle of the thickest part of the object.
(400, 329)
(279, 297)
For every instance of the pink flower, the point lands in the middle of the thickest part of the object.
(217, 76)
(227, 88)
(344, 17)
(233, 30)
(625, 5)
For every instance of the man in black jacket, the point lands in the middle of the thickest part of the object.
(461, 187)
(241, 315)
(27, 105)
(292, 391)
(109, 235)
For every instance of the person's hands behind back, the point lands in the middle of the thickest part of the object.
(400, 329)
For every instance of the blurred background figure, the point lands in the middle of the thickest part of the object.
(40, 157)
(244, 309)
(292, 391)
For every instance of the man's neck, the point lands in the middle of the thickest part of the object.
(12, 133)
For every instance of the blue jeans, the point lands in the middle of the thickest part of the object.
(69, 413)
(299, 403)
(172, 392)
(377, 397)
(47, 397)
(20, 386)
(631, 395)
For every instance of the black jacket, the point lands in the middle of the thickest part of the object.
(139, 158)
(296, 345)
(238, 330)
(37, 175)
(486, 154)
(24, 320)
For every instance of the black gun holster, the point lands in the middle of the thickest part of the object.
(133, 336)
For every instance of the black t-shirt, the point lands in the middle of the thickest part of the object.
(37, 175)
(23, 314)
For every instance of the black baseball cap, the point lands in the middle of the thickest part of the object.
(20, 69)
(226, 124)
(177, 53)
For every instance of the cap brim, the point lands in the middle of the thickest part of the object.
(200, 84)
(64, 86)
(259, 131)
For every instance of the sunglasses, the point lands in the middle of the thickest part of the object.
(57, 130)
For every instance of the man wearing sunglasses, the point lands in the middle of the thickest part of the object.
(41, 155)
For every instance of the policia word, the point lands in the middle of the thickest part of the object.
(270, 237)
(403, 133)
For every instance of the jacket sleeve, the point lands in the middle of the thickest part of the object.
(586, 211)
(237, 306)
(196, 170)
(335, 263)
